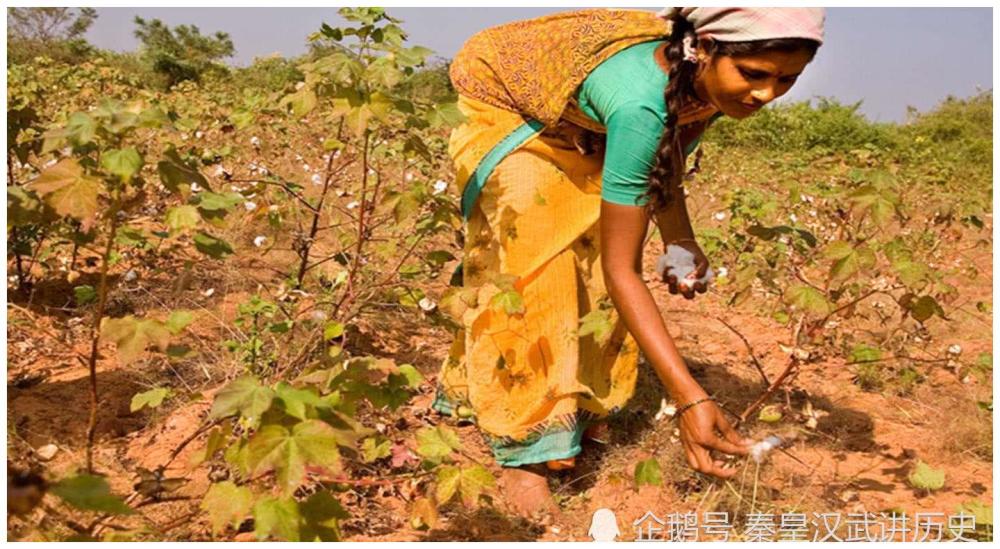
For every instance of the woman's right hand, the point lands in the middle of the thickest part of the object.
(703, 427)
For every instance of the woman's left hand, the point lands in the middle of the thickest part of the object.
(700, 268)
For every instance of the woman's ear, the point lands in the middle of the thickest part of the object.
(706, 46)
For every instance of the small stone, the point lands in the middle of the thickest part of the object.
(47, 452)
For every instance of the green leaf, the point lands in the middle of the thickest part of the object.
(879, 203)
(924, 477)
(410, 57)
(69, 191)
(179, 218)
(413, 377)
(84, 294)
(911, 273)
(865, 353)
(448, 479)
(475, 480)
(244, 396)
(445, 114)
(372, 450)
(982, 512)
(211, 246)
(509, 301)
(179, 320)
(321, 514)
(210, 201)
(153, 117)
(23, 208)
(333, 330)
(838, 249)
(357, 119)
(90, 493)
(924, 307)
(297, 401)
(597, 323)
(123, 163)
(132, 336)
(436, 443)
(383, 73)
(278, 518)
(301, 102)
(177, 176)
(151, 399)
(849, 260)
(226, 505)
(808, 299)
(80, 129)
(648, 472)
(241, 118)
(274, 447)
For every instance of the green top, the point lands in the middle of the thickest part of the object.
(625, 95)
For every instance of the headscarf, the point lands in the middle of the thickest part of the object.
(744, 24)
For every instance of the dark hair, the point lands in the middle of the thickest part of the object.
(667, 174)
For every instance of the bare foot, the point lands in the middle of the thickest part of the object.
(527, 492)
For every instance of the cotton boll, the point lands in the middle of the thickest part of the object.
(408, 177)
(955, 349)
(719, 216)
(250, 206)
(427, 304)
(255, 142)
(259, 241)
(272, 208)
(352, 204)
(195, 187)
(665, 411)
(440, 186)
(679, 262)
(760, 450)
(317, 179)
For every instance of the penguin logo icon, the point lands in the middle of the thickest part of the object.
(604, 525)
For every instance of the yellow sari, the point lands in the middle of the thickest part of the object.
(530, 382)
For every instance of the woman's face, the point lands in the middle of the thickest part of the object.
(740, 86)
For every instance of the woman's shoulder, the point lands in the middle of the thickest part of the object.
(630, 78)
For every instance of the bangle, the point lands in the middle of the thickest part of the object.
(684, 408)
(682, 240)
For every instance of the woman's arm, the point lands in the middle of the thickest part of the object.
(623, 230)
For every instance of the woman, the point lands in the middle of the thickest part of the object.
(576, 123)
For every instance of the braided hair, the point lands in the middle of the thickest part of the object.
(667, 175)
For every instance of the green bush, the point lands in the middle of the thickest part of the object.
(828, 127)
(270, 74)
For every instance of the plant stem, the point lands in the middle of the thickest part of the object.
(96, 334)
(355, 264)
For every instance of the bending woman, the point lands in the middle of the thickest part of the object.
(578, 127)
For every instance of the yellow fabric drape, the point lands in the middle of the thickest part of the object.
(532, 382)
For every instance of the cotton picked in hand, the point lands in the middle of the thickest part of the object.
(679, 262)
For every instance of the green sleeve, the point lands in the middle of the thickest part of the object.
(634, 131)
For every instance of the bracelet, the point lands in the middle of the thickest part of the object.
(685, 408)
(682, 240)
